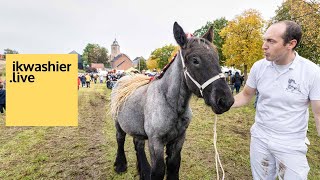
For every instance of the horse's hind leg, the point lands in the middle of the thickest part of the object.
(174, 157)
(143, 164)
(121, 162)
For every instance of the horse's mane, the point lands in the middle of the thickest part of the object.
(123, 89)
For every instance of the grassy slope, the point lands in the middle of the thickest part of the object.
(88, 151)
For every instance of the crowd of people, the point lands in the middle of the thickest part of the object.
(84, 79)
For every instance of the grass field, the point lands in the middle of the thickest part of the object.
(88, 151)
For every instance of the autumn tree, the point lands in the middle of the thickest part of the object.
(162, 55)
(307, 15)
(243, 40)
(218, 25)
(151, 64)
(174, 52)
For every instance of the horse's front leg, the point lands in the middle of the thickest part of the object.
(174, 157)
(143, 164)
(156, 149)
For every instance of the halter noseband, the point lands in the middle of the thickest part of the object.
(204, 85)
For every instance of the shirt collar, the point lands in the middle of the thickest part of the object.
(296, 60)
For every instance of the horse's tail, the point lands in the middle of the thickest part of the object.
(123, 89)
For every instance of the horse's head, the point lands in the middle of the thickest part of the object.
(202, 71)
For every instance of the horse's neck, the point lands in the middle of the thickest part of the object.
(173, 82)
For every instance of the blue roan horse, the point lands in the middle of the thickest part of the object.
(159, 111)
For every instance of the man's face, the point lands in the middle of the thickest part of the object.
(273, 43)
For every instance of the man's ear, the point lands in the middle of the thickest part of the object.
(209, 34)
(179, 35)
(292, 44)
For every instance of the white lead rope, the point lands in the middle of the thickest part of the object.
(201, 88)
(217, 158)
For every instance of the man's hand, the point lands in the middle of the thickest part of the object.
(243, 97)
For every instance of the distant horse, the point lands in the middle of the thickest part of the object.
(159, 111)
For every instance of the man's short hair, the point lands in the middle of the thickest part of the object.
(1, 85)
(293, 31)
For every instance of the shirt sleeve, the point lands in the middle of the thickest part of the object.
(252, 79)
(315, 88)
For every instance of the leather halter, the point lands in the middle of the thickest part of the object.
(204, 85)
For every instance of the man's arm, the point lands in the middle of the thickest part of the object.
(244, 96)
(315, 105)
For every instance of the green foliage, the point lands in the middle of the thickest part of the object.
(307, 14)
(200, 32)
(218, 25)
(142, 65)
(93, 53)
(9, 51)
(162, 55)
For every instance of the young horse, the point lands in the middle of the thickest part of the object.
(159, 111)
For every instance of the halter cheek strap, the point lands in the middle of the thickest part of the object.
(204, 85)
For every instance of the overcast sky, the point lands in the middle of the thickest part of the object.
(140, 26)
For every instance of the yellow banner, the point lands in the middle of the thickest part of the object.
(41, 90)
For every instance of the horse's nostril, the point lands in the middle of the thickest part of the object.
(223, 103)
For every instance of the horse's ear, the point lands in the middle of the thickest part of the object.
(179, 35)
(209, 34)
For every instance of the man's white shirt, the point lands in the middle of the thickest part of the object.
(282, 108)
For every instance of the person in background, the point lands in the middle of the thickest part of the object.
(237, 80)
(287, 84)
(79, 82)
(83, 80)
(101, 78)
(2, 98)
(88, 79)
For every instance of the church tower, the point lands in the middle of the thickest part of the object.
(115, 49)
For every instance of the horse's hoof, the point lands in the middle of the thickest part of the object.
(120, 168)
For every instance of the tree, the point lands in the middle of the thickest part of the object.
(93, 53)
(174, 52)
(142, 65)
(218, 25)
(243, 40)
(152, 64)
(9, 51)
(103, 56)
(307, 15)
(162, 55)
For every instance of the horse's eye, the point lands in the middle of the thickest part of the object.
(195, 61)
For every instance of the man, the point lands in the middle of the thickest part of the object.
(287, 83)
(2, 98)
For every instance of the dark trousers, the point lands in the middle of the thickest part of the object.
(2, 106)
(237, 87)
